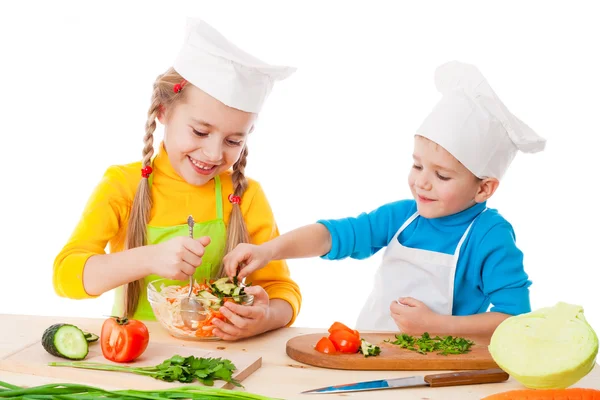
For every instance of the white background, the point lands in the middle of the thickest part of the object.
(334, 140)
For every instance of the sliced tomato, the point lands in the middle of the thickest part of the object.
(324, 345)
(345, 341)
(337, 326)
(123, 340)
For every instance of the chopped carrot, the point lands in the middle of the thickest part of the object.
(547, 394)
(205, 327)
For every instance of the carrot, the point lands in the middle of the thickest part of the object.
(547, 394)
(205, 327)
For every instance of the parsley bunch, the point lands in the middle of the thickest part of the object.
(426, 344)
(176, 368)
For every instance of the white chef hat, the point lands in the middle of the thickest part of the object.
(473, 125)
(218, 67)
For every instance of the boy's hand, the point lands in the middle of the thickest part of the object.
(248, 257)
(414, 317)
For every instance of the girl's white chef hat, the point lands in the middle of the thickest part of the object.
(218, 67)
(473, 125)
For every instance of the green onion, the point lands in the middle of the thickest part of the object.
(71, 391)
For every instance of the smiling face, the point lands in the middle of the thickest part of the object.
(203, 137)
(441, 185)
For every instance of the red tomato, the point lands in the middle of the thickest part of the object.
(123, 340)
(336, 326)
(324, 345)
(344, 341)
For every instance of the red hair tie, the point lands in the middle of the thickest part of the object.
(146, 171)
(178, 86)
(234, 199)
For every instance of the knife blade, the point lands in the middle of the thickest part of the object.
(434, 380)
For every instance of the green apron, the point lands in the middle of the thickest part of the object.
(211, 260)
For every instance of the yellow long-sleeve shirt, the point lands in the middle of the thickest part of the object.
(104, 221)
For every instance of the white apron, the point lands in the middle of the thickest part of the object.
(425, 275)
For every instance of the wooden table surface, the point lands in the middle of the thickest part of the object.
(279, 377)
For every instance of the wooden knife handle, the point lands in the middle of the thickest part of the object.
(466, 377)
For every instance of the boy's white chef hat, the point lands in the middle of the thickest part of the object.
(473, 125)
(218, 67)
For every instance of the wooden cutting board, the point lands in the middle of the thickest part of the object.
(33, 360)
(392, 357)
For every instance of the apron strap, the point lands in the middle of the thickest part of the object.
(218, 197)
(405, 224)
(464, 236)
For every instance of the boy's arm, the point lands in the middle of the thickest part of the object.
(356, 237)
(503, 280)
(334, 239)
(503, 276)
(308, 241)
(478, 324)
(362, 236)
(414, 317)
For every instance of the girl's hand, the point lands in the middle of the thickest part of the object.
(248, 257)
(177, 258)
(414, 317)
(244, 321)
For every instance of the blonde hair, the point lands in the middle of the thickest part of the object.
(164, 97)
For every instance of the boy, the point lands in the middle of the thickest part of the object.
(448, 257)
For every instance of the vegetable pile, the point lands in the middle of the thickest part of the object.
(426, 344)
(551, 348)
(121, 340)
(212, 295)
(69, 391)
(345, 340)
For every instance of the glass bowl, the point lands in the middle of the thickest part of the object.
(165, 295)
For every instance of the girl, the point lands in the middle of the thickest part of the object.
(208, 103)
(448, 257)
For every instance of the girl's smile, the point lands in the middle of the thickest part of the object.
(201, 167)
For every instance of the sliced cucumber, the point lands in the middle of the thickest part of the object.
(90, 337)
(66, 341)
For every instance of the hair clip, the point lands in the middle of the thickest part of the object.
(178, 86)
(234, 199)
(146, 171)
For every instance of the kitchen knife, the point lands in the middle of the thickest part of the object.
(434, 380)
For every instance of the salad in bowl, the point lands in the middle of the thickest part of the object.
(165, 297)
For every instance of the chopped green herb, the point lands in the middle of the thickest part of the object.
(368, 349)
(176, 368)
(426, 344)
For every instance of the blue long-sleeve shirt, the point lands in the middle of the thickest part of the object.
(490, 265)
